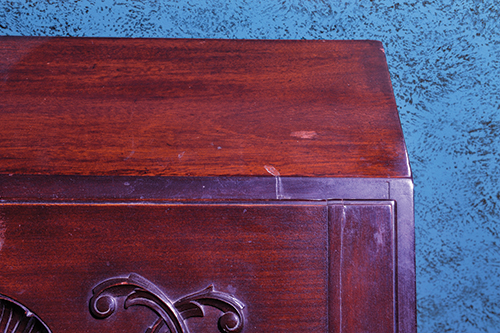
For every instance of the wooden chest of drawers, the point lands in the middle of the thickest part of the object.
(154, 185)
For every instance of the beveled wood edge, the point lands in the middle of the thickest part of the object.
(131, 188)
(403, 194)
(331, 283)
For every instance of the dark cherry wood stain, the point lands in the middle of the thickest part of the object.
(275, 171)
(160, 107)
(363, 267)
(271, 257)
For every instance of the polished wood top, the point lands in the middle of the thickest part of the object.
(188, 107)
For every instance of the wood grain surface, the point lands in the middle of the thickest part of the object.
(362, 267)
(272, 257)
(295, 266)
(191, 163)
(160, 107)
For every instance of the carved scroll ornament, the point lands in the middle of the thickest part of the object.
(16, 318)
(171, 315)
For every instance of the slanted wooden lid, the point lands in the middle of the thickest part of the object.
(188, 107)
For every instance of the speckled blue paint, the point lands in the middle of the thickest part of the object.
(444, 61)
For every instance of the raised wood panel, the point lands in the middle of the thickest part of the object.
(271, 257)
(363, 267)
(162, 107)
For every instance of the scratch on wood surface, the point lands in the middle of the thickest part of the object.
(379, 238)
(272, 170)
(341, 270)
(3, 229)
(132, 150)
(279, 185)
(304, 134)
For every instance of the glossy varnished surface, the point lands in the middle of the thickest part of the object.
(275, 170)
(197, 108)
(271, 257)
(362, 268)
(293, 266)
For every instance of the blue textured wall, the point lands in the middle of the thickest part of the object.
(444, 62)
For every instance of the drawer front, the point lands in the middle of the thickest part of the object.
(252, 267)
